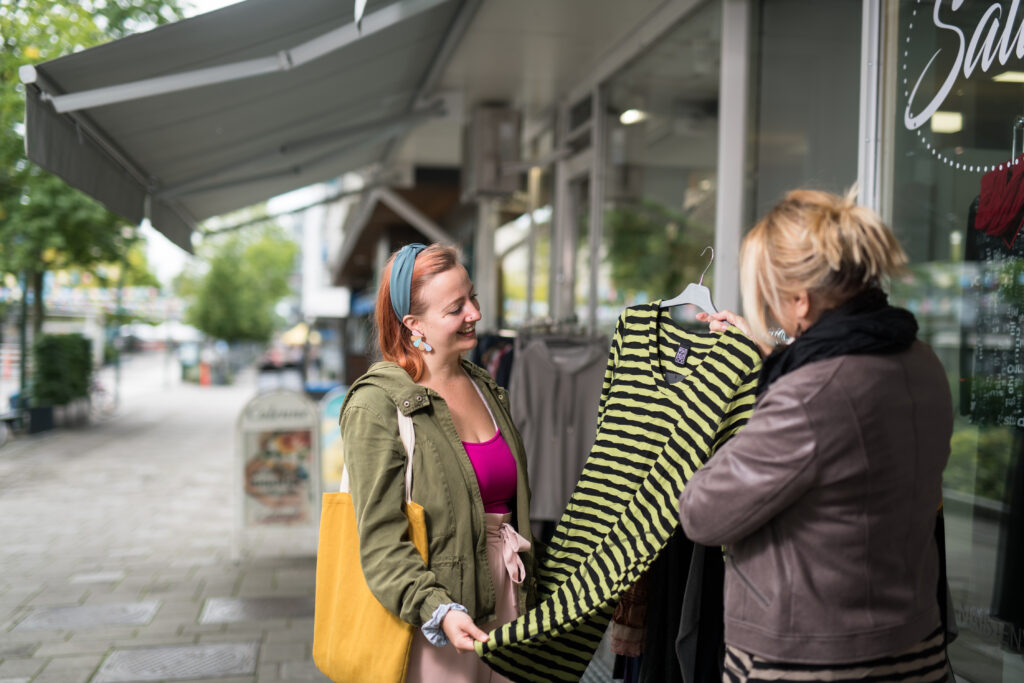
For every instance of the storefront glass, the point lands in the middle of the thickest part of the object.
(805, 98)
(954, 73)
(660, 179)
(512, 247)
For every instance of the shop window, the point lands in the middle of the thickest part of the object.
(512, 247)
(954, 90)
(806, 78)
(661, 168)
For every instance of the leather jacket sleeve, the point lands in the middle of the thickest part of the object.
(755, 475)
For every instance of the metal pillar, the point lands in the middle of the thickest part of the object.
(485, 265)
(732, 195)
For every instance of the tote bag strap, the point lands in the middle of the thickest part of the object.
(407, 432)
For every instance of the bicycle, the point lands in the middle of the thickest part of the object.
(101, 401)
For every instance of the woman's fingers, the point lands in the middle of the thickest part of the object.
(718, 321)
(461, 631)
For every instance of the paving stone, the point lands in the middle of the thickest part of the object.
(63, 677)
(15, 667)
(54, 597)
(73, 647)
(291, 635)
(284, 652)
(74, 663)
(90, 615)
(302, 671)
(226, 610)
(178, 663)
(157, 641)
(15, 680)
(157, 627)
(98, 577)
(244, 627)
(230, 637)
(17, 649)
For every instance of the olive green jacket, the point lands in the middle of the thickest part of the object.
(444, 483)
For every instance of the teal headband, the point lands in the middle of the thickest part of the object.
(401, 277)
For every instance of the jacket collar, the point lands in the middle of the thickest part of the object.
(408, 396)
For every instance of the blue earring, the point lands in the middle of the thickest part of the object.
(420, 343)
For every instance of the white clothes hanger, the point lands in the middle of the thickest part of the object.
(695, 293)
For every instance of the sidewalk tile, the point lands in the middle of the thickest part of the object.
(74, 647)
(176, 663)
(18, 649)
(69, 665)
(283, 652)
(14, 667)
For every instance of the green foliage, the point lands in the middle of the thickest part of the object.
(979, 461)
(44, 223)
(246, 276)
(131, 271)
(655, 250)
(63, 369)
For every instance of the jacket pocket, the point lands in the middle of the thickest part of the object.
(448, 571)
(765, 602)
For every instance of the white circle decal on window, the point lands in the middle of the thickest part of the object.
(996, 37)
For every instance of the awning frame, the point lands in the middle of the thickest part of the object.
(283, 60)
(144, 193)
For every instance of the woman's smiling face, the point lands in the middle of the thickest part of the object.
(448, 322)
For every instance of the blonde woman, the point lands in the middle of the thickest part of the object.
(826, 501)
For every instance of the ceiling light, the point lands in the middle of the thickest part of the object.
(631, 116)
(1009, 77)
(947, 122)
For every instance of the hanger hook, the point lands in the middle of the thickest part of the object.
(701, 280)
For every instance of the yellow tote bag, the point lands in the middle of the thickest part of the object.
(355, 638)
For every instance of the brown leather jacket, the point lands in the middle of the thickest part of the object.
(826, 502)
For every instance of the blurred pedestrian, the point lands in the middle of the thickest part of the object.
(469, 470)
(826, 501)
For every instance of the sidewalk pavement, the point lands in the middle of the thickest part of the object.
(116, 550)
(115, 558)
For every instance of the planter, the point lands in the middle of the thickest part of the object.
(40, 419)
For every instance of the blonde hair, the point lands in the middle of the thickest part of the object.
(816, 241)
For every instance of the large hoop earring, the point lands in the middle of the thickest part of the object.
(420, 343)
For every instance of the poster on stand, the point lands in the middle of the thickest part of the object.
(279, 466)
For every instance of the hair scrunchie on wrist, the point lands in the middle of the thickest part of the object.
(401, 277)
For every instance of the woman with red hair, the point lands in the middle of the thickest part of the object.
(469, 470)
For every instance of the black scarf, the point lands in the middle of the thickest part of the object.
(864, 324)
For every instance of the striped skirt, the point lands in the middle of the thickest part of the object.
(925, 661)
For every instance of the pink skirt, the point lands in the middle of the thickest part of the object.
(430, 664)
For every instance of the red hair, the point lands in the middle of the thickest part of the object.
(394, 339)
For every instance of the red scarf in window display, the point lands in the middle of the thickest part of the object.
(1001, 203)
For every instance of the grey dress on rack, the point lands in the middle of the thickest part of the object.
(555, 387)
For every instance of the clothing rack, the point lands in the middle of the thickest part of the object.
(569, 326)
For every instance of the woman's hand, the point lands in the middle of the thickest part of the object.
(722, 320)
(461, 631)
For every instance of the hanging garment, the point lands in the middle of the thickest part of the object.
(668, 400)
(1000, 210)
(554, 389)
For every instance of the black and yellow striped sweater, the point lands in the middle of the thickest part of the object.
(669, 399)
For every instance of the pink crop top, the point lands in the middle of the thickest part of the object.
(495, 469)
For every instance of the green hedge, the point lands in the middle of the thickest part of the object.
(63, 369)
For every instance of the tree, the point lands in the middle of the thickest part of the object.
(44, 223)
(654, 249)
(246, 275)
